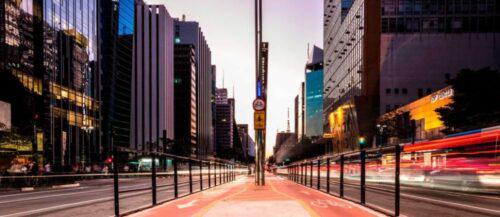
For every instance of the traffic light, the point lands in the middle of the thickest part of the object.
(362, 141)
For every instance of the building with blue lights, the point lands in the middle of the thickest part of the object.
(314, 94)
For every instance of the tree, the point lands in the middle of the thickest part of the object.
(476, 101)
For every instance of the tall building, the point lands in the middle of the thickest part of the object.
(243, 134)
(116, 48)
(50, 77)
(152, 78)
(224, 119)
(189, 32)
(300, 113)
(211, 148)
(314, 94)
(384, 54)
(185, 99)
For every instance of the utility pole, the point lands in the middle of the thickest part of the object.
(259, 105)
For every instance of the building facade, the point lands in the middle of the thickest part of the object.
(185, 99)
(50, 75)
(385, 54)
(300, 112)
(152, 115)
(314, 94)
(116, 48)
(224, 121)
(189, 32)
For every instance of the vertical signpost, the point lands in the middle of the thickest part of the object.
(259, 105)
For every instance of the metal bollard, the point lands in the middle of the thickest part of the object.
(341, 187)
(153, 178)
(190, 177)
(115, 183)
(176, 183)
(209, 179)
(363, 177)
(220, 174)
(311, 175)
(319, 182)
(201, 175)
(215, 174)
(397, 192)
(328, 175)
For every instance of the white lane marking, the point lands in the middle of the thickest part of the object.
(186, 205)
(40, 192)
(69, 205)
(305, 192)
(492, 211)
(329, 203)
(65, 194)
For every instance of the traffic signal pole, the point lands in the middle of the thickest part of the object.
(261, 49)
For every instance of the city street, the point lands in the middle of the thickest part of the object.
(419, 201)
(93, 197)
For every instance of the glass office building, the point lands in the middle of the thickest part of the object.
(50, 76)
(314, 103)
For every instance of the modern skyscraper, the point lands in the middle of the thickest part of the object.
(224, 119)
(50, 76)
(185, 99)
(301, 112)
(382, 54)
(189, 32)
(116, 48)
(314, 94)
(152, 77)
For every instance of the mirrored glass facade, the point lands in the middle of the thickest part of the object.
(49, 51)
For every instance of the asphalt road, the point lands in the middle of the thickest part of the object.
(94, 198)
(419, 201)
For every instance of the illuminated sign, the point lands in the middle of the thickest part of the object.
(442, 95)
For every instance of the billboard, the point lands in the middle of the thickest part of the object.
(5, 116)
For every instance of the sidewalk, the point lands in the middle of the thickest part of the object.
(242, 198)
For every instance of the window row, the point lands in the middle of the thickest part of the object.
(441, 24)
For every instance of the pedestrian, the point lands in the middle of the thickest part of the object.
(47, 168)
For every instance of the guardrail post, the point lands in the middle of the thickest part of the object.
(209, 178)
(201, 175)
(220, 174)
(319, 182)
(363, 176)
(176, 183)
(153, 177)
(341, 187)
(396, 181)
(328, 175)
(190, 177)
(304, 174)
(115, 183)
(311, 175)
(215, 174)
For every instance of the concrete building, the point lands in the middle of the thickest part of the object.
(314, 94)
(243, 134)
(152, 77)
(185, 99)
(189, 32)
(300, 112)
(382, 54)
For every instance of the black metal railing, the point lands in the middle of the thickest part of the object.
(216, 171)
(348, 170)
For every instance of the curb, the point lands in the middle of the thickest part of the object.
(75, 185)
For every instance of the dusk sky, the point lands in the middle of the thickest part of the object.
(228, 25)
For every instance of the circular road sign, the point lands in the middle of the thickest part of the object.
(259, 104)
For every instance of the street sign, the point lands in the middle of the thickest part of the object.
(259, 104)
(259, 120)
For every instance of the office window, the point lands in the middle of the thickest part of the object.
(396, 90)
(404, 91)
(420, 92)
(387, 108)
(429, 90)
(388, 91)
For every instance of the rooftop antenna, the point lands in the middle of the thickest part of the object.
(222, 78)
(233, 92)
(288, 121)
(183, 17)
